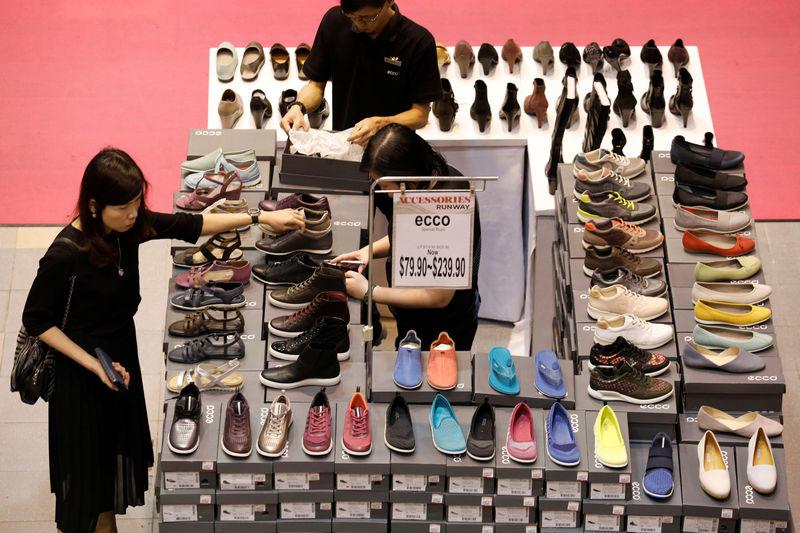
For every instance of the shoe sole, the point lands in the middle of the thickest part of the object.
(398, 450)
(406, 387)
(597, 313)
(589, 273)
(316, 454)
(657, 496)
(204, 307)
(341, 356)
(226, 450)
(721, 323)
(724, 299)
(286, 305)
(352, 452)
(479, 458)
(441, 388)
(651, 374)
(446, 452)
(609, 465)
(605, 342)
(612, 395)
(183, 452)
(712, 230)
(265, 454)
(317, 251)
(289, 334)
(320, 382)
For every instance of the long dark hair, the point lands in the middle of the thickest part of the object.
(112, 177)
(398, 151)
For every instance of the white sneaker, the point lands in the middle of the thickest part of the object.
(640, 333)
(618, 300)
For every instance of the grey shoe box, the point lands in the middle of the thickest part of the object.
(684, 321)
(346, 209)
(204, 141)
(682, 275)
(691, 432)
(363, 472)
(384, 388)
(586, 341)
(515, 479)
(425, 506)
(344, 525)
(353, 375)
(295, 183)
(665, 185)
(577, 251)
(568, 482)
(425, 469)
(185, 527)
(700, 509)
(194, 506)
(481, 369)
(760, 391)
(296, 471)
(500, 527)
(475, 508)
(517, 510)
(465, 475)
(604, 515)
(305, 504)
(304, 526)
(662, 162)
(607, 483)
(414, 526)
(197, 470)
(247, 506)
(581, 282)
(252, 325)
(272, 311)
(581, 299)
(676, 253)
(253, 296)
(245, 527)
(265, 170)
(559, 515)
(644, 512)
(763, 510)
(302, 169)
(356, 345)
(361, 504)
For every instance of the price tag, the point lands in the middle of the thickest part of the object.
(698, 524)
(601, 522)
(179, 513)
(181, 480)
(237, 513)
(488, 473)
(487, 529)
(434, 528)
(537, 473)
(529, 501)
(437, 498)
(298, 510)
(514, 487)
(644, 524)
(237, 482)
(287, 481)
(559, 519)
(531, 529)
(409, 482)
(563, 489)
(409, 511)
(352, 509)
(726, 513)
(466, 485)
(464, 513)
(432, 242)
(353, 482)
(606, 491)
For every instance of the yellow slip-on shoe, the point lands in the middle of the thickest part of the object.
(609, 447)
(710, 312)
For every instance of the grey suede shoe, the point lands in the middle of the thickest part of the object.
(733, 360)
(705, 218)
(227, 58)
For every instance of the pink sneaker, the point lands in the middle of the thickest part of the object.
(357, 436)
(317, 435)
(521, 439)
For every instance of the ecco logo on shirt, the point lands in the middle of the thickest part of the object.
(394, 65)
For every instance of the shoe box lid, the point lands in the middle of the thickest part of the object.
(677, 254)
(772, 351)
(363, 472)
(346, 209)
(417, 526)
(696, 502)
(640, 504)
(756, 506)
(322, 172)
(186, 508)
(607, 483)
(361, 496)
(305, 525)
(567, 482)
(691, 432)
(251, 333)
(305, 504)
(526, 372)
(661, 162)
(355, 331)
(185, 527)
(604, 515)
(581, 299)
(353, 306)
(245, 527)
(416, 507)
(585, 333)
(520, 479)
(682, 275)
(247, 506)
(581, 282)
(204, 141)
(384, 388)
(509, 500)
(465, 475)
(353, 375)
(286, 182)
(264, 497)
(577, 251)
(684, 321)
(364, 525)
(316, 470)
(426, 459)
(197, 470)
(665, 184)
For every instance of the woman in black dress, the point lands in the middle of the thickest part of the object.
(100, 445)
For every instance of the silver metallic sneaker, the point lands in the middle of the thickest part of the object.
(274, 436)
(184, 434)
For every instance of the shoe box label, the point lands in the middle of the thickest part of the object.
(566, 519)
(514, 487)
(409, 511)
(606, 491)
(748, 525)
(646, 524)
(352, 510)
(353, 482)
(297, 510)
(563, 490)
(601, 522)
(179, 513)
(238, 512)
(181, 480)
(700, 524)
(409, 482)
(465, 485)
(464, 513)
(292, 481)
(511, 515)
(239, 481)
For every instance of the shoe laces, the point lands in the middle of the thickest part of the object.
(641, 324)
(619, 159)
(316, 420)
(634, 374)
(275, 424)
(627, 226)
(620, 179)
(636, 279)
(630, 294)
(302, 339)
(305, 311)
(633, 258)
(616, 197)
(303, 284)
(359, 425)
(238, 422)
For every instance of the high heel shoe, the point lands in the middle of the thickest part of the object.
(543, 54)
(569, 55)
(648, 142)
(510, 110)
(652, 101)
(536, 103)
(593, 56)
(587, 100)
(618, 141)
(598, 109)
(442, 56)
(615, 53)
(678, 56)
(445, 107)
(512, 53)
(651, 56)
(260, 108)
(464, 57)
(570, 90)
(681, 103)
(487, 56)
(625, 102)
(480, 110)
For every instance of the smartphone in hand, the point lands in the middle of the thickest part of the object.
(345, 264)
(113, 376)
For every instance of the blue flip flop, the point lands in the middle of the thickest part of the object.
(658, 481)
(548, 375)
(502, 373)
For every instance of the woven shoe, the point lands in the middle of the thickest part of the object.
(652, 364)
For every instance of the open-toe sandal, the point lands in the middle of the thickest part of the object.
(208, 377)
(219, 294)
(213, 346)
(223, 246)
(204, 322)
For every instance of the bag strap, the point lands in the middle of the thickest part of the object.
(71, 282)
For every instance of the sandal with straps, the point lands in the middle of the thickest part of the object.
(230, 188)
(208, 377)
(236, 270)
(213, 346)
(203, 322)
(219, 294)
(224, 246)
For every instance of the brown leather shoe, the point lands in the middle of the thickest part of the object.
(512, 53)
(237, 439)
(330, 303)
(536, 103)
(297, 200)
(301, 53)
(613, 257)
(279, 57)
(230, 108)
(252, 61)
(315, 239)
(324, 279)
(464, 57)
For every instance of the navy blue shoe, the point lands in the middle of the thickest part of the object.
(658, 481)
(697, 154)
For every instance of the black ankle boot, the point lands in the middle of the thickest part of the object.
(625, 102)
(652, 101)
(682, 102)
(480, 110)
(510, 110)
(445, 107)
(708, 140)
(618, 141)
(647, 143)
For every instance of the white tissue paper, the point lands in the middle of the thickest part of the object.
(325, 144)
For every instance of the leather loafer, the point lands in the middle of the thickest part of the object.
(227, 58)
(230, 108)
(279, 57)
(252, 61)
(301, 53)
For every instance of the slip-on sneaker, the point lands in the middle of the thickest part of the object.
(502, 372)
(733, 360)
(398, 435)
(651, 364)
(729, 337)
(230, 108)
(609, 446)
(629, 280)
(746, 425)
(713, 179)
(641, 333)
(521, 436)
(707, 219)
(605, 180)
(445, 430)
(616, 232)
(184, 433)
(602, 205)
(658, 481)
(226, 61)
(252, 60)
(357, 433)
(711, 312)
(329, 303)
(442, 363)
(273, 439)
(548, 377)
(627, 167)
(703, 156)
(562, 448)
(480, 442)
(696, 196)
(713, 243)
(317, 433)
(408, 364)
(625, 383)
(761, 472)
(608, 302)
(614, 257)
(713, 472)
(727, 269)
(735, 293)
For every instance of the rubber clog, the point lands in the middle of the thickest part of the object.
(502, 373)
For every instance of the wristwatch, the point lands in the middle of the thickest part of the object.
(254, 212)
(302, 107)
(365, 298)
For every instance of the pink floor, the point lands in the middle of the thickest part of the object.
(81, 75)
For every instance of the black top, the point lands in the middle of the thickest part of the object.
(380, 77)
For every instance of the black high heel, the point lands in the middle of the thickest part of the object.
(678, 56)
(480, 110)
(615, 53)
(652, 101)
(681, 103)
(598, 109)
(593, 56)
(598, 78)
(618, 141)
(570, 90)
(510, 110)
(647, 143)
(260, 108)
(651, 56)
(487, 56)
(569, 55)
(625, 102)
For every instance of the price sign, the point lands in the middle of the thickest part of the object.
(432, 241)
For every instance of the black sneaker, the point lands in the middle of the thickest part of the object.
(327, 329)
(696, 196)
(184, 433)
(399, 432)
(649, 363)
(480, 443)
(316, 365)
(612, 205)
(703, 177)
(297, 268)
(633, 282)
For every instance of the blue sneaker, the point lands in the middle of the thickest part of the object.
(658, 481)
(548, 375)
(408, 364)
(502, 374)
(561, 445)
(447, 435)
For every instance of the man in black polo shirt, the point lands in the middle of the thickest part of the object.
(382, 65)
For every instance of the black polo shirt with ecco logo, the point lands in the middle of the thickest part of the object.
(380, 77)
